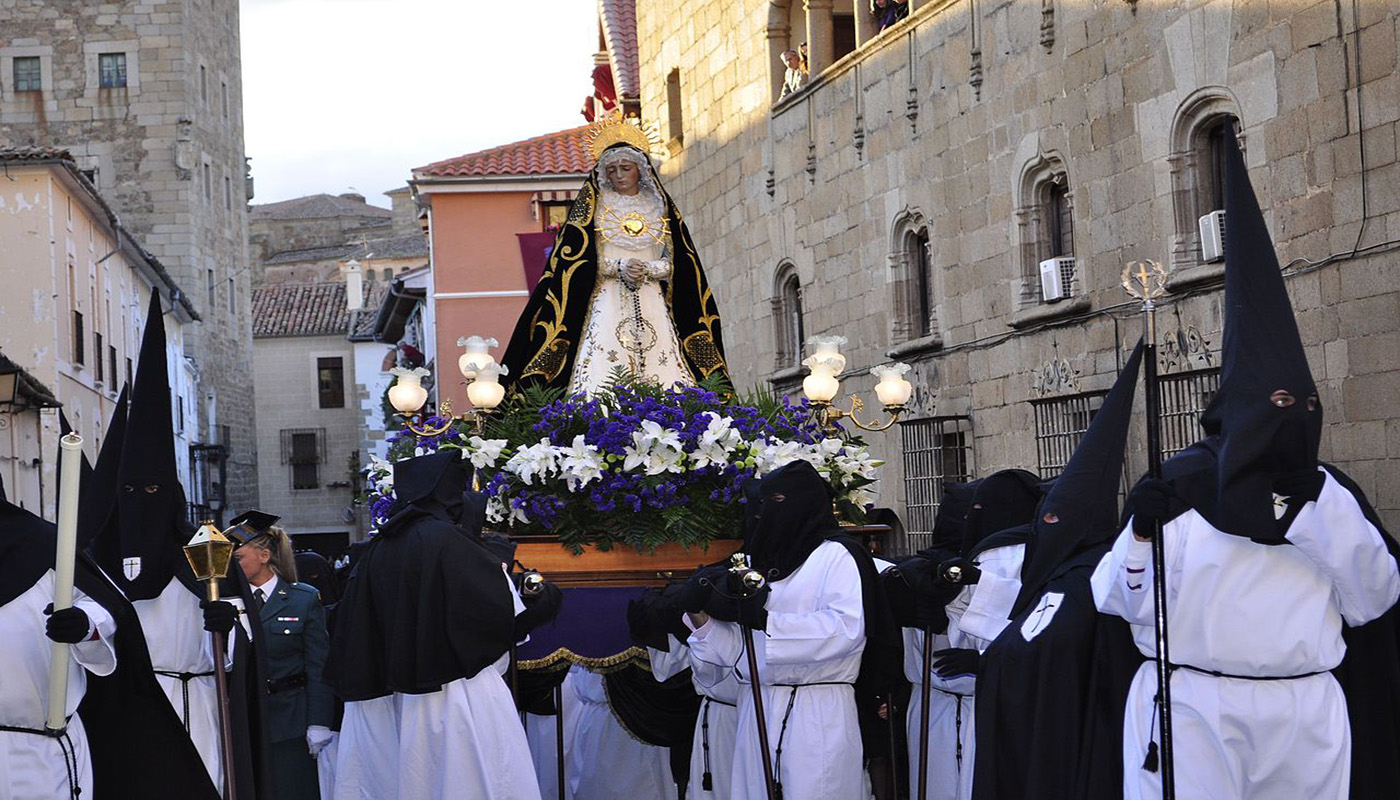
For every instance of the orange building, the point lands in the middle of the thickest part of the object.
(489, 220)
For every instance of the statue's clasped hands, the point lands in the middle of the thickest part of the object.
(634, 272)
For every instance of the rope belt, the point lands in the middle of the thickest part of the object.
(782, 732)
(957, 722)
(65, 745)
(185, 678)
(1215, 674)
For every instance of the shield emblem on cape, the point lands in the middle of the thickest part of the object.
(131, 567)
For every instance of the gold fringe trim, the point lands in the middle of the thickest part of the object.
(607, 664)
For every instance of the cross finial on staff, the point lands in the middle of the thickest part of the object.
(1146, 280)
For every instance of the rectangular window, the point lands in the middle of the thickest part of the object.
(97, 356)
(179, 414)
(1060, 423)
(228, 193)
(208, 183)
(1059, 226)
(210, 275)
(303, 450)
(232, 298)
(1182, 397)
(78, 341)
(923, 283)
(674, 116)
(937, 450)
(112, 363)
(29, 76)
(555, 214)
(111, 70)
(130, 371)
(330, 382)
(203, 85)
(223, 88)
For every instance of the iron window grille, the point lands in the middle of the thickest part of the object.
(936, 449)
(111, 70)
(1182, 397)
(1060, 423)
(303, 449)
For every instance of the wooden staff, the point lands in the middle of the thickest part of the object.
(925, 696)
(70, 453)
(751, 581)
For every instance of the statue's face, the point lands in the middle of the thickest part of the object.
(623, 176)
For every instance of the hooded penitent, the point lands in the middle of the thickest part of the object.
(794, 517)
(1002, 501)
(1266, 418)
(425, 603)
(1078, 517)
(159, 761)
(142, 551)
(544, 346)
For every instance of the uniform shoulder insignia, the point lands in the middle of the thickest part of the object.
(308, 588)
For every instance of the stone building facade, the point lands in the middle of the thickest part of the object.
(908, 196)
(146, 95)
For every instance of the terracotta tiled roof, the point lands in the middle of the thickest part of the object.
(319, 206)
(413, 245)
(362, 322)
(619, 19)
(565, 152)
(300, 309)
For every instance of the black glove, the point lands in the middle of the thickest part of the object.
(219, 616)
(899, 590)
(727, 605)
(539, 609)
(1300, 487)
(959, 572)
(1151, 502)
(956, 661)
(695, 592)
(70, 626)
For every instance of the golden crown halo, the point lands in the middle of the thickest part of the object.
(614, 128)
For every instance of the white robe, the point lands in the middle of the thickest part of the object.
(464, 740)
(975, 618)
(32, 765)
(814, 640)
(604, 761)
(717, 725)
(175, 635)
(1250, 610)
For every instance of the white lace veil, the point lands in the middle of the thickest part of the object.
(646, 183)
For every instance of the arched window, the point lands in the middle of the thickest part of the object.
(1197, 166)
(789, 328)
(1045, 227)
(916, 283)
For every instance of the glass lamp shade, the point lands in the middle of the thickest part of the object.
(892, 387)
(827, 350)
(477, 356)
(209, 553)
(820, 387)
(407, 395)
(485, 394)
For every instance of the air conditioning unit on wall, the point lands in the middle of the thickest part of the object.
(1056, 278)
(1212, 228)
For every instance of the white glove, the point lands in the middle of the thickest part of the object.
(317, 737)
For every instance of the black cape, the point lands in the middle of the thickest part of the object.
(425, 603)
(544, 346)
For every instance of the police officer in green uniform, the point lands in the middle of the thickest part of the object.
(299, 705)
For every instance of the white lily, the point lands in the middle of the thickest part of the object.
(581, 463)
(485, 452)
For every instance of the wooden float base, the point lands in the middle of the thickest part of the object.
(620, 566)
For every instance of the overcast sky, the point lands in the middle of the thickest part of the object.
(355, 93)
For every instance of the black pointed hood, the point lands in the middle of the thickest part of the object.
(27, 545)
(97, 506)
(948, 525)
(1080, 512)
(1000, 501)
(428, 485)
(142, 550)
(794, 517)
(1260, 433)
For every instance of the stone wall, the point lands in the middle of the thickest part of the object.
(947, 122)
(168, 153)
(285, 372)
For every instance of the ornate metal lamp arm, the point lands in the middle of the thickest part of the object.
(426, 431)
(828, 414)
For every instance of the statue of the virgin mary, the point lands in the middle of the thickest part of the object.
(624, 288)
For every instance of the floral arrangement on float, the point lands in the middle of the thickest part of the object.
(636, 464)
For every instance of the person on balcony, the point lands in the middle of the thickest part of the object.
(794, 76)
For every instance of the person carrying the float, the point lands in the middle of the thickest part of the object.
(1051, 687)
(422, 638)
(1269, 554)
(822, 634)
(142, 552)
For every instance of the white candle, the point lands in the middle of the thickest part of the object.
(70, 463)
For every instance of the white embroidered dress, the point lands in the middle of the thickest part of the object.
(630, 327)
